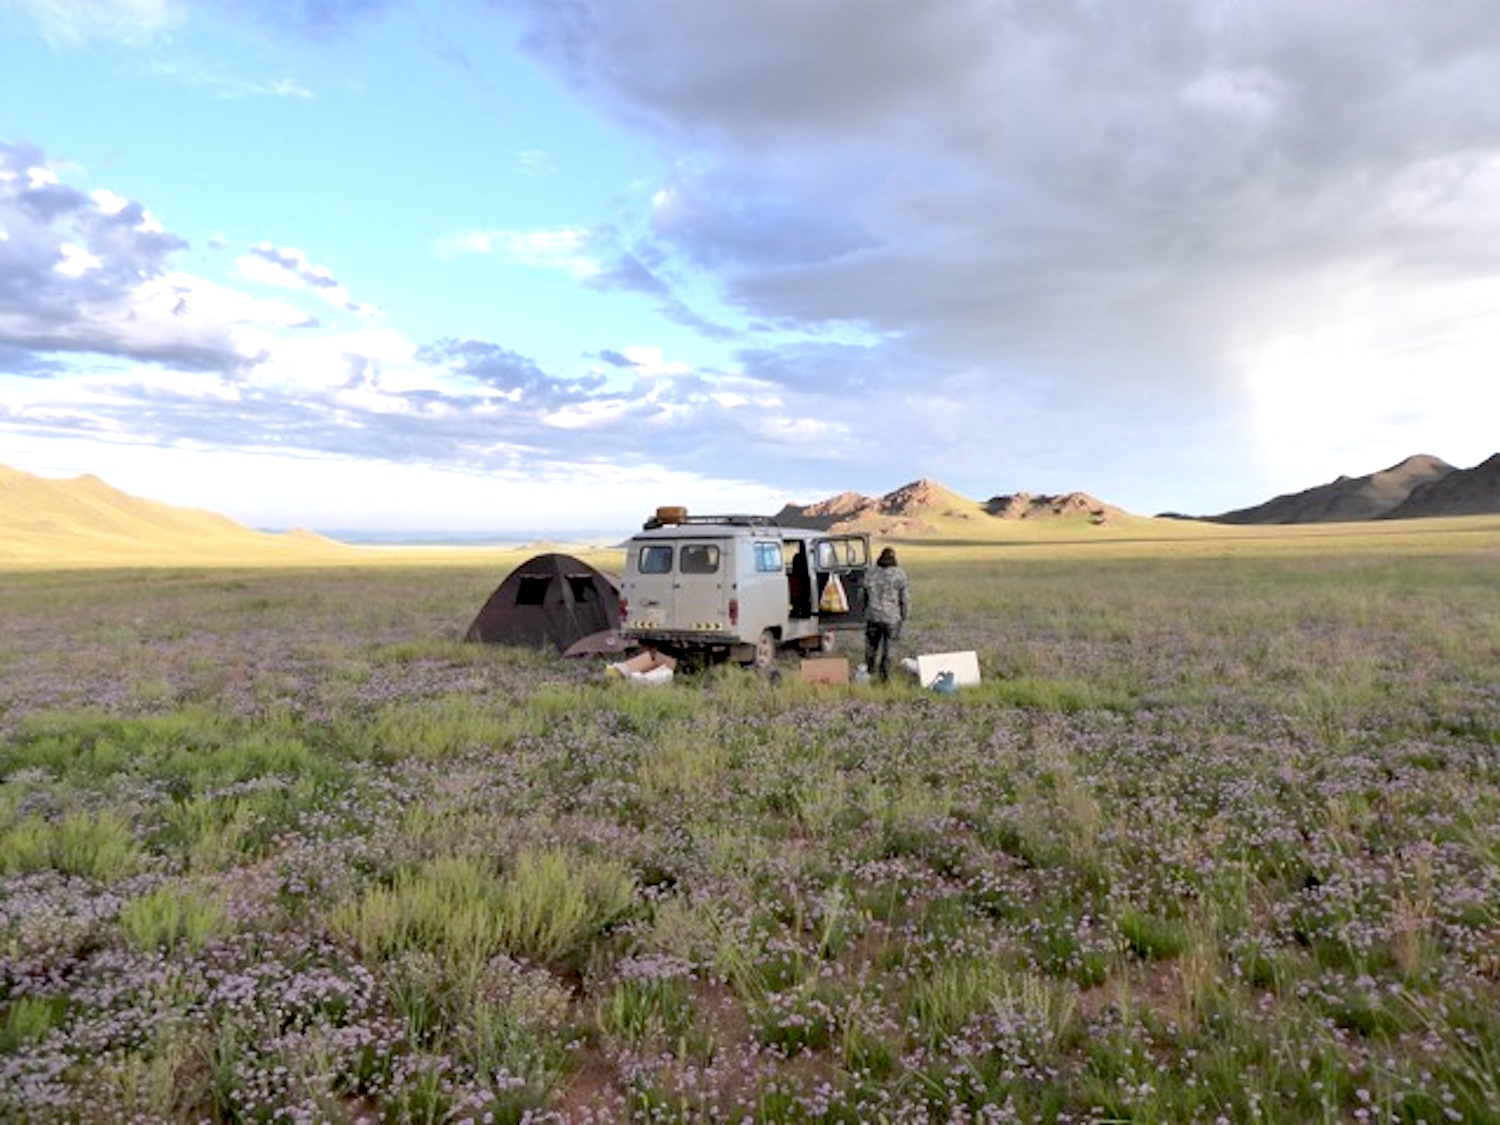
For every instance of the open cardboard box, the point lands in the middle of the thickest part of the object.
(963, 665)
(648, 666)
(825, 670)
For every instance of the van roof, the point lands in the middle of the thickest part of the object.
(698, 527)
(683, 519)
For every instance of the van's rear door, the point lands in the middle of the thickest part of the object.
(847, 557)
(650, 577)
(701, 588)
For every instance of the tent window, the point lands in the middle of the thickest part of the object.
(699, 558)
(533, 589)
(583, 588)
(656, 559)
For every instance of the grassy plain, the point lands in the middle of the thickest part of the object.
(1217, 838)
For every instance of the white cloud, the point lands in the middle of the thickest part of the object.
(268, 272)
(587, 415)
(327, 361)
(76, 261)
(1252, 95)
(183, 297)
(74, 22)
(652, 362)
(108, 202)
(290, 268)
(569, 249)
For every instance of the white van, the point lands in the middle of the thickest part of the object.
(739, 587)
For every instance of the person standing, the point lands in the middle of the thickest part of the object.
(887, 603)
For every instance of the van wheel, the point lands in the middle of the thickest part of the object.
(765, 651)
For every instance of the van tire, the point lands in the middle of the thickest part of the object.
(765, 651)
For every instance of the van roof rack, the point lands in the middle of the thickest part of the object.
(657, 521)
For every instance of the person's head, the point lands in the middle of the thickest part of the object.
(887, 557)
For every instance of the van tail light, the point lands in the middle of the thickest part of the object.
(624, 608)
(734, 611)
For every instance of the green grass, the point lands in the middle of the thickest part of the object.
(98, 846)
(173, 916)
(548, 905)
(1214, 837)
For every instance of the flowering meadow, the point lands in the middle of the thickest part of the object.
(1217, 838)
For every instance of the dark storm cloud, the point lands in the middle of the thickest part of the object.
(1016, 183)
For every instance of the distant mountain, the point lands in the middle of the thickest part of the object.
(1348, 498)
(1463, 492)
(925, 508)
(1025, 506)
(85, 521)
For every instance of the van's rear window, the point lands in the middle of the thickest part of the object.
(699, 558)
(656, 558)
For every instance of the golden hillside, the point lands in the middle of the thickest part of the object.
(925, 509)
(85, 522)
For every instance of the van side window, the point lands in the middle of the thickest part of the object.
(699, 558)
(768, 558)
(656, 558)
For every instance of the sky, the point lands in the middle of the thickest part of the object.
(493, 266)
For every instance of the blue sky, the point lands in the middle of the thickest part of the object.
(545, 264)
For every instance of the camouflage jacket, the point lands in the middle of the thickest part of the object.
(887, 599)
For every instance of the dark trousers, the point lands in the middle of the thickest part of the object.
(878, 638)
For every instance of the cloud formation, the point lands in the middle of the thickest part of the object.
(994, 158)
(1002, 242)
(178, 359)
(290, 268)
(1107, 200)
(91, 273)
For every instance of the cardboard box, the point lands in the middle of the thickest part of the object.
(963, 665)
(648, 667)
(826, 670)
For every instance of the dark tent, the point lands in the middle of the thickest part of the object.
(553, 599)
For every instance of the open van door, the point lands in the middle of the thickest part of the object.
(847, 558)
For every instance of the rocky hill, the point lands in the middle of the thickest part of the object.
(1025, 506)
(927, 508)
(1463, 492)
(84, 521)
(1377, 495)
